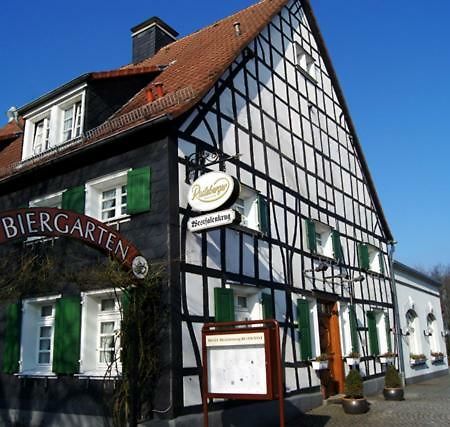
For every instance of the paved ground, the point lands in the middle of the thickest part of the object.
(425, 404)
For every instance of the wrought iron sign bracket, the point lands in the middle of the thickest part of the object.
(200, 161)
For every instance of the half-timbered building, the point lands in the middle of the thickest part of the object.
(254, 96)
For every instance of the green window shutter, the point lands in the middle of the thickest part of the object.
(388, 332)
(11, 351)
(363, 256)
(66, 341)
(311, 235)
(353, 329)
(224, 304)
(337, 247)
(267, 306)
(304, 328)
(381, 261)
(73, 199)
(373, 334)
(138, 190)
(263, 214)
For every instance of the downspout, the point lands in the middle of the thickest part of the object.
(397, 333)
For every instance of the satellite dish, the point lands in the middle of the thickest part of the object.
(12, 114)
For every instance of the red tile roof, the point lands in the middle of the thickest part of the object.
(191, 66)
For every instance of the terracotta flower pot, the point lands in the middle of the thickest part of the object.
(355, 406)
(393, 393)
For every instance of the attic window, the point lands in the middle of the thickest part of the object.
(53, 124)
(305, 62)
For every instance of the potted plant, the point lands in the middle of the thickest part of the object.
(321, 362)
(387, 358)
(354, 401)
(417, 359)
(436, 356)
(393, 389)
(353, 358)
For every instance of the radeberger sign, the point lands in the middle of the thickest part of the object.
(53, 222)
(212, 191)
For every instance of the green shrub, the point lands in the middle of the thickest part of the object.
(354, 385)
(392, 378)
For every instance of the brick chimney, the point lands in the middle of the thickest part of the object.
(149, 37)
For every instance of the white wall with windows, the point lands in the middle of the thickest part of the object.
(421, 320)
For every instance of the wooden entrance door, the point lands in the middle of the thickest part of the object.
(332, 379)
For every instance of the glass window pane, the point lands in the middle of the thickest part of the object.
(108, 204)
(108, 304)
(44, 357)
(109, 194)
(46, 310)
(44, 344)
(106, 342)
(107, 328)
(45, 331)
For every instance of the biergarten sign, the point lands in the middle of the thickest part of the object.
(213, 191)
(54, 222)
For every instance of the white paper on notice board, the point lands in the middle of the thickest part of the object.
(237, 369)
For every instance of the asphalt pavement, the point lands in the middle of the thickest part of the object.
(426, 404)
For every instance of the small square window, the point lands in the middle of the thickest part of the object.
(108, 304)
(247, 206)
(46, 310)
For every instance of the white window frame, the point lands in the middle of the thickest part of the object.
(305, 61)
(254, 309)
(380, 320)
(91, 319)
(53, 112)
(30, 336)
(324, 247)
(247, 206)
(374, 259)
(94, 191)
(414, 338)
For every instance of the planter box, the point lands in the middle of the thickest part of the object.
(417, 362)
(318, 365)
(352, 361)
(386, 360)
(437, 359)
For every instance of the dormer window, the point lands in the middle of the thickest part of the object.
(54, 124)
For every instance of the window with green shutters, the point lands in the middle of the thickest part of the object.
(139, 190)
(304, 328)
(374, 347)
(267, 306)
(224, 304)
(66, 349)
(11, 343)
(263, 214)
(73, 199)
(353, 328)
(363, 256)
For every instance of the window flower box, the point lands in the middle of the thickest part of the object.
(417, 359)
(353, 359)
(437, 357)
(321, 362)
(387, 358)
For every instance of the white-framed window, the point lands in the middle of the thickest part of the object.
(374, 259)
(324, 243)
(41, 136)
(305, 61)
(38, 327)
(57, 122)
(432, 333)
(106, 197)
(100, 333)
(71, 121)
(247, 303)
(380, 317)
(247, 206)
(413, 330)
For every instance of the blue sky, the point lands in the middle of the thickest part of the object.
(391, 58)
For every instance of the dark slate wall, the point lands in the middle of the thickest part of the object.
(147, 43)
(104, 97)
(148, 231)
